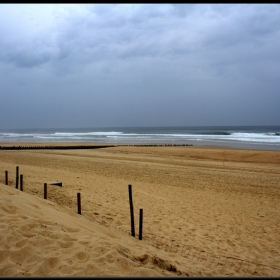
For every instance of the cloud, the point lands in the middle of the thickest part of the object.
(99, 32)
(166, 62)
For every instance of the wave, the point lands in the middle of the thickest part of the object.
(274, 133)
(216, 133)
(142, 135)
(73, 134)
(255, 137)
(17, 135)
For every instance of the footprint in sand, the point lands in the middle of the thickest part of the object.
(82, 256)
(9, 209)
(66, 244)
(47, 265)
(22, 243)
(71, 229)
(24, 217)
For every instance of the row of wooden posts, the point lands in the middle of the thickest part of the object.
(79, 202)
(17, 177)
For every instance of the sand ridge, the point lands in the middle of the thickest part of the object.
(207, 211)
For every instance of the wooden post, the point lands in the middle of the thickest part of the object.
(6, 177)
(17, 177)
(79, 203)
(21, 182)
(131, 210)
(140, 223)
(45, 190)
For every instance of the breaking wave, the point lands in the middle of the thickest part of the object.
(144, 135)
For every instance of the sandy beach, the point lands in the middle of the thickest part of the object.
(209, 211)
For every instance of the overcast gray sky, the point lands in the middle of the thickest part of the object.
(106, 65)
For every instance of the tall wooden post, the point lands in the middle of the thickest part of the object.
(131, 210)
(6, 177)
(140, 223)
(45, 190)
(17, 177)
(21, 182)
(79, 203)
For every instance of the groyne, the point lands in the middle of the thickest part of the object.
(64, 147)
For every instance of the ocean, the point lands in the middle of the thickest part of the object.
(249, 137)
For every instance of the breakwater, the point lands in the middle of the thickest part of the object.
(83, 147)
(51, 147)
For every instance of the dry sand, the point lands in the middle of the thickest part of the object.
(207, 211)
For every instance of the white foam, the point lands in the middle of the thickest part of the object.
(73, 134)
(266, 138)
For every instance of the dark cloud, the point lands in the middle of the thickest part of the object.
(132, 64)
(26, 58)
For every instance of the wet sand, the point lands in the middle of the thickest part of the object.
(209, 211)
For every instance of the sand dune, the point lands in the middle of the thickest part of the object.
(41, 238)
(207, 211)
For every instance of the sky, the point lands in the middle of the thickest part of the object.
(136, 65)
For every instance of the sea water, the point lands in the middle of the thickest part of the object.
(250, 137)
